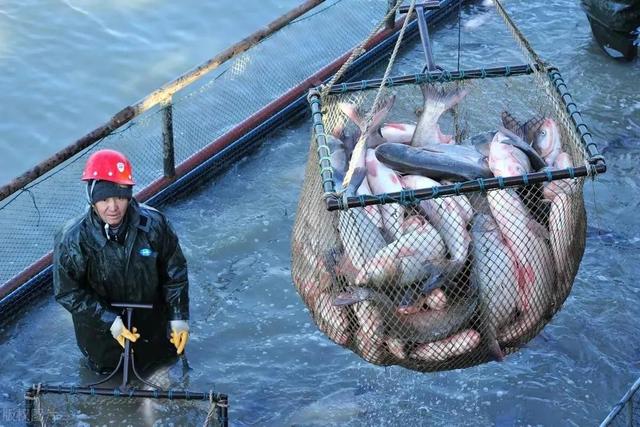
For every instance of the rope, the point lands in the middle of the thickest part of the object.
(359, 50)
(360, 149)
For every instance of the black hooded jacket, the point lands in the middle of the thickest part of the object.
(90, 272)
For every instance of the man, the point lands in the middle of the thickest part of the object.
(121, 251)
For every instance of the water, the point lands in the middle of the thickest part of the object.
(253, 338)
(68, 66)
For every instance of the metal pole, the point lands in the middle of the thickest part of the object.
(424, 36)
(29, 397)
(167, 139)
(222, 408)
(127, 350)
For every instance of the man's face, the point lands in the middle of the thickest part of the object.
(112, 210)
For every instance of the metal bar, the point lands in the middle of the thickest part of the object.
(326, 170)
(222, 410)
(168, 155)
(424, 37)
(131, 305)
(628, 396)
(131, 392)
(127, 352)
(336, 203)
(156, 97)
(575, 115)
(434, 77)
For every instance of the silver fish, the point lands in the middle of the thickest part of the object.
(454, 162)
(420, 327)
(495, 272)
(436, 102)
(361, 238)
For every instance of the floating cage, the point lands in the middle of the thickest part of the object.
(430, 249)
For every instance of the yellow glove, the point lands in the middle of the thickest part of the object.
(120, 333)
(179, 334)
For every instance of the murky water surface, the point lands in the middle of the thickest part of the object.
(253, 338)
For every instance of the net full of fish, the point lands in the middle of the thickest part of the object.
(446, 282)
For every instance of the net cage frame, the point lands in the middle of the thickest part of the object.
(33, 410)
(334, 200)
(627, 411)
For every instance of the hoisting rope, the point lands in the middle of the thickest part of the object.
(359, 150)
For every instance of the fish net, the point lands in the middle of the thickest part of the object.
(438, 255)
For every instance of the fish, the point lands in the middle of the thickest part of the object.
(527, 130)
(383, 180)
(567, 186)
(495, 271)
(421, 327)
(370, 133)
(452, 346)
(400, 133)
(448, 218)
(415, 256)
(169, 375)
(338, 160)
(332, 320)
(481, 142)
(505, 159)
(547, 141)
(436, 102)
(563, 227)
(528, 240)
(360, 236)
(453, 162)
(535, 160)
(369, 338)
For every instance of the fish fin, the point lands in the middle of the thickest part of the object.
(436, 278)
(538, 229)
(510, 122)
(351, 111)
(495, 350)
(346, 298)
(358, 175)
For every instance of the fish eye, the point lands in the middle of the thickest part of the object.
(543, 132)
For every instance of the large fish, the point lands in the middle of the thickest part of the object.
(453, 162)
(563, 228)
(339, 160)
(400, 133)
(527, 239)
(447, 348)
(417, 255)
(448, 217)
(560, 186)
(436, 102)
(421, 327)
(506, 159)
(547, 141)
(384, 180)
(361, 237)
(495, 271)
(536, 162)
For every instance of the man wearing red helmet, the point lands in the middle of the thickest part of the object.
(121, 251)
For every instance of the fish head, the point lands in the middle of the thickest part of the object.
(483, 223)
(352, 295)
(547, 137)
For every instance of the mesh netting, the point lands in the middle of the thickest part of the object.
(444, 282)
(627, 411)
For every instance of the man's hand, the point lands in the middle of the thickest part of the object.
(120, 333)
(179, 334)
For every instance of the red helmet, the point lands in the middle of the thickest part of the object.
(108, 165)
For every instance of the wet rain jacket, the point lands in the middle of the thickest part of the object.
(90, 272)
